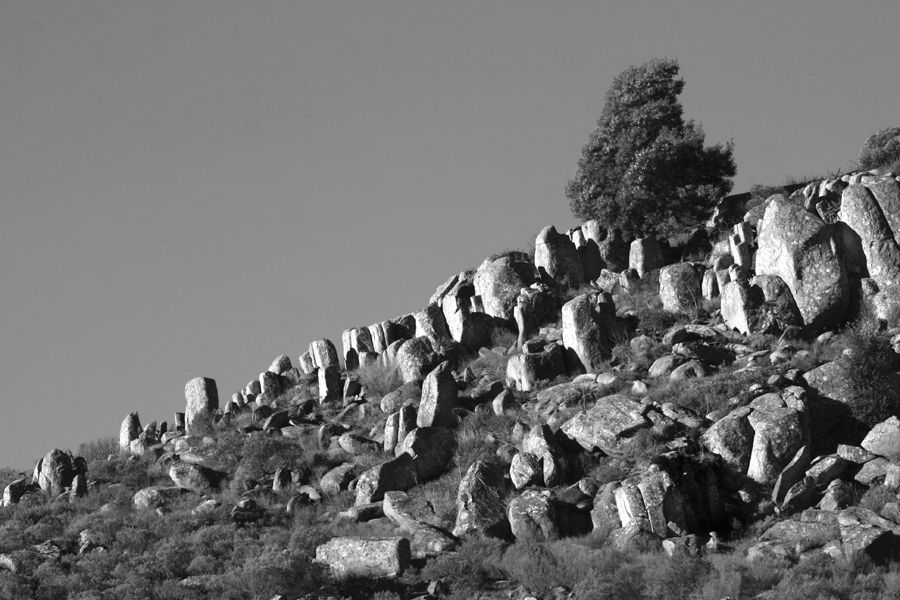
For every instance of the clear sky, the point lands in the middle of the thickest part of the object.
(190, 188)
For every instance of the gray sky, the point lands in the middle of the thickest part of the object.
(192, 187)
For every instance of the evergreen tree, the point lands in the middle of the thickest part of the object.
(645, 169)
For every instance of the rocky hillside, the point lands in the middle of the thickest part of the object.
(607, 418)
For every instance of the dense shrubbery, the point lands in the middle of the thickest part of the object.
(874, 394)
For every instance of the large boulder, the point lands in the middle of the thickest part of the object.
(415, 358)
(396, 474)
(680, 287)
(469, 328)
(536, 305)
(884, 440)
(672, 497)
(588, 329)
(763, 305)
(16, 490)
(323, 354)
(478, 503)
(867, 211)
(439, 396)
(202, 402)
(196, 478)
(431, 449)
(55, 471)
(416, 518)
(525, 370)
(155, 497)
(779, 432)
(731, 438)
(352, 557)
(532, 516)
(645, 255)
(800, 248)
(556, 255)
(498, 281)
(607, 424)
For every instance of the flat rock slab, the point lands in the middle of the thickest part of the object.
(606, 423)
(349, 557)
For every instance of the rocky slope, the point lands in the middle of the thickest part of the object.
(627, 392)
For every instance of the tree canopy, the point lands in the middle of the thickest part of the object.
(645, 170)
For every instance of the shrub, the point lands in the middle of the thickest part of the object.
(881, 150)
(645, 169)
(874, 394)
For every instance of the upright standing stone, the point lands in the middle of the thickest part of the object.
(324, 354)
(202, 398)
(330, 387)
(645, 255)
(439, 395)
(680, 287)
(130, 430)
(588, 327)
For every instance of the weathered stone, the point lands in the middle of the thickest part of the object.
(556, 255)
(196, 478)
(470, 328)
(330, 385)
(407, 392)
(396, 474)
(430, 324)
(478, 504)
(155, 497)
(499, 279)
(431, 449)
(439, 398)
(349, 557)
(864, 215)
(884, 439)
(337, 479)
(306, 363)
(605, 424)
(324, 354)
(779, 433)
(130, 430)
(645, 255)
(588, 328)
(415, 358)
(799, 247)
(526, 370)
(525, 470)
(680, 287)
(417, 519)
(356, 444)
(55, 472)
(532, 516)
(281, 364)
(16, 490)
(273, 385)
(536, 305)
(504, 403)
(202, 399)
